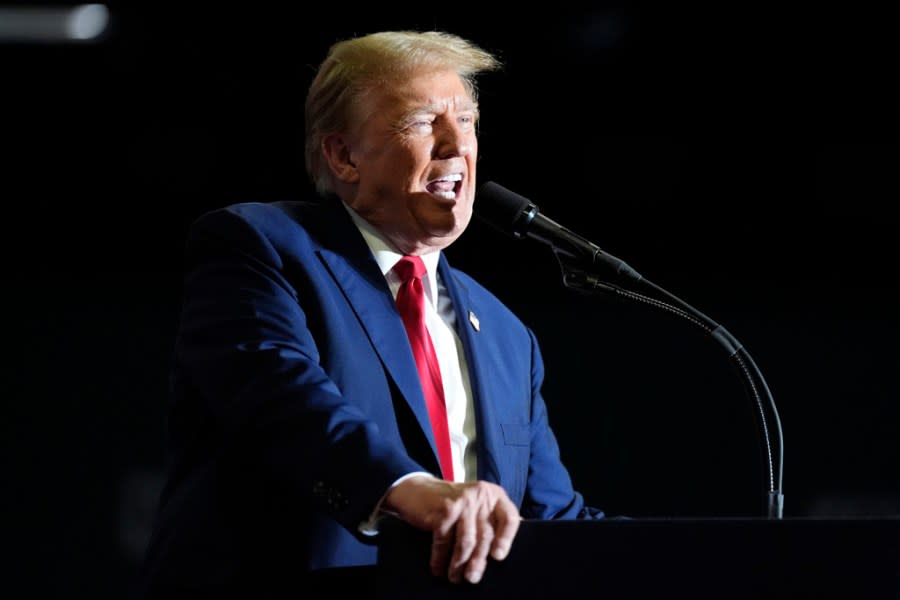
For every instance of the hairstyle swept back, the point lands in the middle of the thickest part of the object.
(355, 65)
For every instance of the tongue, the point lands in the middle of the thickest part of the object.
(441, 186)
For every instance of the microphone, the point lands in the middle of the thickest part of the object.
(518, 216)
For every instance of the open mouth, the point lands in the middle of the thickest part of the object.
(447, 187)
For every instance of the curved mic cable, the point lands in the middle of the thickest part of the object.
(587, 268)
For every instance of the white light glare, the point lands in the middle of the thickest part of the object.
(47, 24)
(87, 21)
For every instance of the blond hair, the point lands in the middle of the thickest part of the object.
(354, 66)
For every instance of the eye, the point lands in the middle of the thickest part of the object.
(419, 128)
(419, 124)
(467, 121)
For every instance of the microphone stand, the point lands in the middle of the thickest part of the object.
(577, 278)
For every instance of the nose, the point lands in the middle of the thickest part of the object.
(454, 140)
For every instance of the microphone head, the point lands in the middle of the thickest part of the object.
(503, 209)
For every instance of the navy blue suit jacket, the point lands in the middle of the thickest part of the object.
(296, 402)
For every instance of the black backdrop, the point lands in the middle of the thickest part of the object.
(744, 159)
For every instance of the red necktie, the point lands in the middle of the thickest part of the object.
(411, 304)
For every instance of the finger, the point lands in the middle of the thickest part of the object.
(442, 539)
(441, 545)
(484, 537)
(466, 535)
(506, 524)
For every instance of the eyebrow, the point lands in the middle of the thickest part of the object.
(438, 107)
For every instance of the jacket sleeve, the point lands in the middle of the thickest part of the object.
(248, 364)
(549, 493)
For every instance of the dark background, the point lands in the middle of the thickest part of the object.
(744, 159)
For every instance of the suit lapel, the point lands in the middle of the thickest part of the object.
(350, 262)
(474, 345)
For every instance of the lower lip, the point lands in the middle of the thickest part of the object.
(445, 197)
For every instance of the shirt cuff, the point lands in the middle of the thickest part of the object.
(369, 527)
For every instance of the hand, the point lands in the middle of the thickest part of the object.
(468, 521)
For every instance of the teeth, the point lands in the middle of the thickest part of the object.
(445, 186)
(452, 177)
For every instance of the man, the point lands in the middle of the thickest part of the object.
(308, 404)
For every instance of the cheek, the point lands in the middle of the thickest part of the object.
(421, 151)
(407, 160)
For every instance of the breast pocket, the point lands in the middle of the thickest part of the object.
(516, 434)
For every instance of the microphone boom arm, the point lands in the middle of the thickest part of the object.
(587, 268)
(754, 383)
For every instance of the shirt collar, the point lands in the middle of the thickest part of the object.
(386, 254)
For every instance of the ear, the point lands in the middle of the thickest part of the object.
(337, 153)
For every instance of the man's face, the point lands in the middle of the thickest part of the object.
(415, 152)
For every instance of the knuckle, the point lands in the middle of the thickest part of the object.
(486, 535)
(467, 542)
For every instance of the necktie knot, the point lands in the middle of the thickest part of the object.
(410, 267)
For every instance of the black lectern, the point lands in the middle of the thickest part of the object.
(656, 558)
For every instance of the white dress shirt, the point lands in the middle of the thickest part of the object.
(440, 319)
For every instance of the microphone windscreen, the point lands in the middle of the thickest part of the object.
(500, 207)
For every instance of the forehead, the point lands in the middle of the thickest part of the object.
(441, 90)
